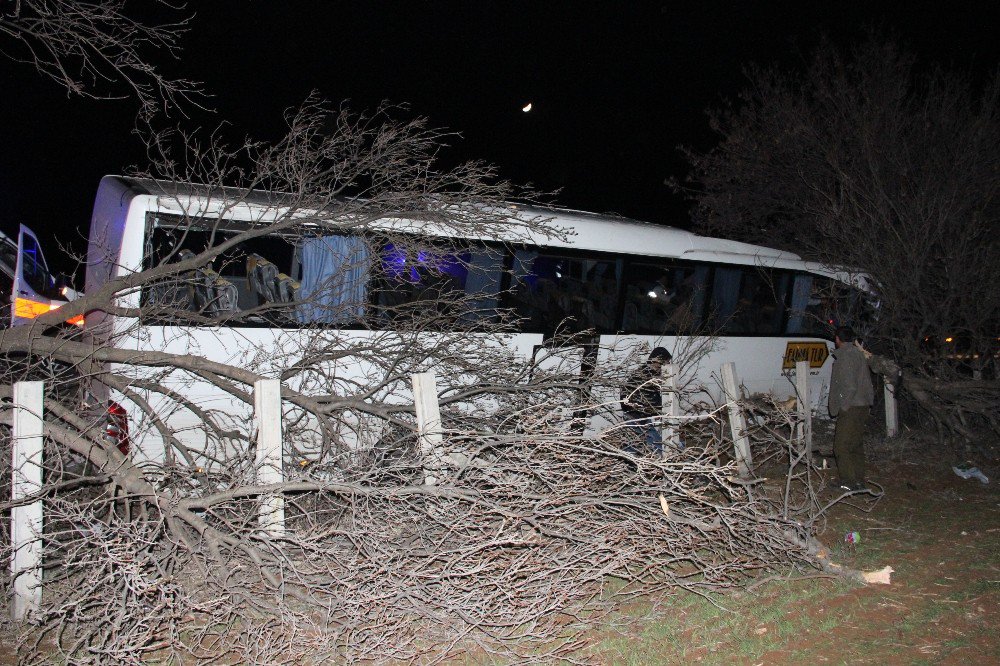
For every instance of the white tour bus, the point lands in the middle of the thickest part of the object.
(635, 285)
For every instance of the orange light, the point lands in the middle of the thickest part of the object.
(948, 339)
(25, 308)
(29, 309)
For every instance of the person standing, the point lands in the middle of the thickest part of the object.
(642, 402)
(851, 397)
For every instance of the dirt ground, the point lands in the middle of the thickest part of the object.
(939, 532)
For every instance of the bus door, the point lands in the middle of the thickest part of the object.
(35, 291)
(576, 360)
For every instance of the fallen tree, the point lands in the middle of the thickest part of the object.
(531, 527)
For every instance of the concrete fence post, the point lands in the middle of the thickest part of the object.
(429, 431)
(270, 458)
(737, 420)
(804, 403)
(26, 520)
(891, 413)
(671, 406)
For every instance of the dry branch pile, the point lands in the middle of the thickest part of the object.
(511, 554)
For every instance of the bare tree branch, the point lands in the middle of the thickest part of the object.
(99, 50)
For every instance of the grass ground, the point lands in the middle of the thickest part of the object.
(939, 532)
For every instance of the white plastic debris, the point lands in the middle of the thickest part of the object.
(880, 577)
(970, 473)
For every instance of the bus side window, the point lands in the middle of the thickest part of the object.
(663, 297)
(820, 304)
(760, 308)
(223, 288)
(748, 300)
(459, 285)
(822, 307)
(573, 292)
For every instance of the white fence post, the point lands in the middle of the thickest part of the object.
(26, 479)
(804, 402)
(737, 421)
(891, 413)
(425, 400)
(270, 458)
(671, 406)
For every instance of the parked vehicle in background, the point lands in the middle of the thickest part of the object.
(27, 287)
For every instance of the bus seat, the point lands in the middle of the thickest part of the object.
(225, 297)
(288, 289)
(215, 295)
(203, 281)
(262, 276)
(176, 292)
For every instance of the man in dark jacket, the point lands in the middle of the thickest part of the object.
(642, 403)
(851, 397)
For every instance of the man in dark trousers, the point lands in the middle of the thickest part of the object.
(851, 397)
(641, 402)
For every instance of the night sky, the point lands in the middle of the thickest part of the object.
(615, 87)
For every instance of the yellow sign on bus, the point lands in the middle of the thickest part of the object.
(814, 352)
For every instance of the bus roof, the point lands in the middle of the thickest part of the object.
(613, 233)
(588, 231)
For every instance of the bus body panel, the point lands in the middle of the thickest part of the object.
(267, 352)
(118, 242)
(759, 369)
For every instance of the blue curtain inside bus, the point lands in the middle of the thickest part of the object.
(483, 282)
(725, 295)
(801, 289)
(334, 280)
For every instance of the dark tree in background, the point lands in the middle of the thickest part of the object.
(871, 160)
